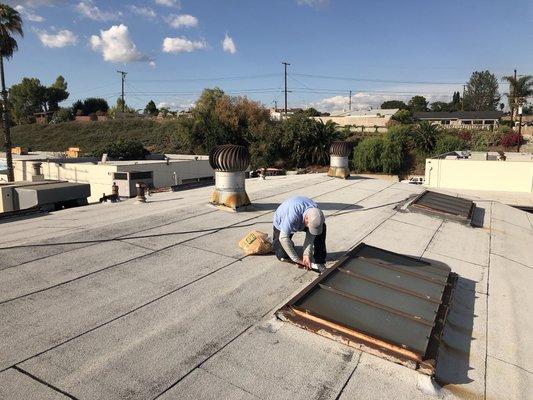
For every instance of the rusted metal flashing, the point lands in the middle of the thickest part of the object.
(301, 310)
(445, 206)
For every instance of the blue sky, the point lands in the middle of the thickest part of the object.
(173, 49)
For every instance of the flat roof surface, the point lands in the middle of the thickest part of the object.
(156, 300)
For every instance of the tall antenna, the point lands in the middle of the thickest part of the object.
(123, 78)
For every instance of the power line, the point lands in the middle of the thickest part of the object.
(226, 78)
(343, 78)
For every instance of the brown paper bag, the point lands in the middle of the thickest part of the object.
(256, 243)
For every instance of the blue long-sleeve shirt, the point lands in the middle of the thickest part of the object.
(289, 219)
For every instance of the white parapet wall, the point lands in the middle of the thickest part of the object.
(493, 175)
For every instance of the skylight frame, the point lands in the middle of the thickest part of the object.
(309, 319)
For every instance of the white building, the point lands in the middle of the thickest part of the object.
(177, 169)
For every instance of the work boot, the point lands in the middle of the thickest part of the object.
(318, 267)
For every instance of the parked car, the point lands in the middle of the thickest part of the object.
(415, 180)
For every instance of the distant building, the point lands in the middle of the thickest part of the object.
(462, 119)
(43, 117)
(366, 120)
(278, 113)
(168, 170)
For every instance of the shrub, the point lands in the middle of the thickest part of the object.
(510, 140)
(464, 135)
(425, 136)
(395, 157)
(62, 115)
(367, 155)
(448, 143)
(123, 150)
(480, 141)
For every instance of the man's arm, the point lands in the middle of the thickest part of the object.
(308, 244)
(288, 245)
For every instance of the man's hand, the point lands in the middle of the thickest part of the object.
(306, 261)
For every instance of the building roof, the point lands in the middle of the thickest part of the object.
(157, 300)
(458, 115)
(367, 113)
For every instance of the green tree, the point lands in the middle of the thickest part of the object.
(92, 105)
(403, 117)
(56, 93)
(306, 141)
(520, 89)
(455, 105)
(77, 108)
(439, 106)
(481, 92)
(418, 103)
(367, 155)
(312, 112)
(10, 25)
(27, 98)
(391, 104)
(151, 108)
(425, 136)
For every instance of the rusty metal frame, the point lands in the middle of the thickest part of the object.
(396, 352)
(414, 206)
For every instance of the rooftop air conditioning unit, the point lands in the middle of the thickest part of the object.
(126, 181)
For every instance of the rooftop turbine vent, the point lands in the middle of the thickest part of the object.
(230, 163)
(339, 153)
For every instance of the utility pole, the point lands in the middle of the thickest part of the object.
(463, 99)
(285, 64)
(513, 101)
(275, 105)
(350, 103)
(519, 127)
(123, 78)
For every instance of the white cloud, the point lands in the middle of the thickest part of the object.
(372, 100)
(168, 3)
(182, 45)
(143, 11)
(312, 3)
(28, 14)
(151, 63)
(182, 20)
(36, 3)
(60, 39)
(228, 45)
(176, 105)
(116, 46)
(89, 10)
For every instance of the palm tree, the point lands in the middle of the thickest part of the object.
(10, 24)
(425, 136)
(519, 90)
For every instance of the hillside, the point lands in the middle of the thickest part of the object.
(155, 136)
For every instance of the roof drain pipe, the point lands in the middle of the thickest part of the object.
(338, 155)
(230, 163)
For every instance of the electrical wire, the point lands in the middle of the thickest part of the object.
(374, 80)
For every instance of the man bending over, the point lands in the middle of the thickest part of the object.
(297, 214)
